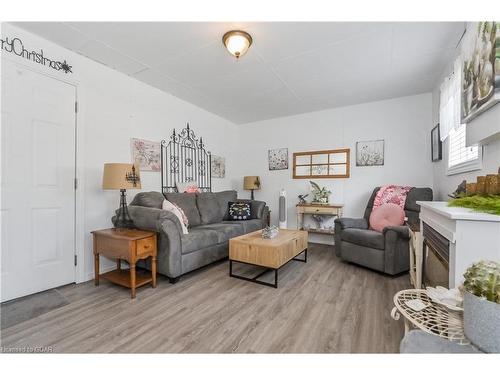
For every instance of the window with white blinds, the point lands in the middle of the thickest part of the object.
(461, 158)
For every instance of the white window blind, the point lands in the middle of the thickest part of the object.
(458, 152)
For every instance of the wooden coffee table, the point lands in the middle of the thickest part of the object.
(272, 254)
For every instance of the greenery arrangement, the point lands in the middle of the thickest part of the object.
(483, 280)
(482, 203)
(320, 195)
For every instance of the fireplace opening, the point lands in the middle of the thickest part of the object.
(436, 255)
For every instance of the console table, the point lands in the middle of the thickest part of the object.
(317, 209)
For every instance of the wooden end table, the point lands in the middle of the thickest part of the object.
(130, 245)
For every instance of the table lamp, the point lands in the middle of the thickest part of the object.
(121, 176)
(251, 183)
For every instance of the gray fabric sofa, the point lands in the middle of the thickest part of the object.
(209, 228)
(387, 251)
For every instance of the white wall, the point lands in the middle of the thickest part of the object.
(403, 123)
(112, 109)
(444, 184)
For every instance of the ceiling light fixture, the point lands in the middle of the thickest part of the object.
(237, 42)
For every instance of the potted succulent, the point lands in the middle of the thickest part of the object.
(482, 305)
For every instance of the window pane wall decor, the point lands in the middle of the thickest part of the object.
(321, 164)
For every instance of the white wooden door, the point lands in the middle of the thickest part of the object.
(37, 186)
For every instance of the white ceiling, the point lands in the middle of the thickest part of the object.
(291, 68)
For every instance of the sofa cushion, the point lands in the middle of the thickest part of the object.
(224, 231)
(187, 202)
(363, 237)
(208, 207)
(223, 198)
(198, 238)
(152, 199)
(252, 225)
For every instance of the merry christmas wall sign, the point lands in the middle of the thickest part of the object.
(16, 47)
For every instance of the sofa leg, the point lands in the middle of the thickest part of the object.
(173, 280)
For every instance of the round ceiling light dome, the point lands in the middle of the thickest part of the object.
(237, 42)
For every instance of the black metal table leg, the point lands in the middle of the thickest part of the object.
(266, 270)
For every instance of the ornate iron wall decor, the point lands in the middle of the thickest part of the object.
(16, 47)
(185, 159)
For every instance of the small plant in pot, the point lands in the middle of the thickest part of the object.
(482, 305)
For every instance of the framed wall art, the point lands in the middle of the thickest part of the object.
(218, 166)
(480, 56)
(321, 164)
(436, 144)
(370, 153)
(146, 154)
(278, 159)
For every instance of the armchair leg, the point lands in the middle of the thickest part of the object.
(173, 280)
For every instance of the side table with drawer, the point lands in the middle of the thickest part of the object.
(130, 245)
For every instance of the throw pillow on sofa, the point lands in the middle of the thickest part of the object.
(177, 211)
(388, 214)
(239, 211)
(187, 187)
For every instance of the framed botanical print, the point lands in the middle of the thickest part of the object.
(436, 144)
(370, 153)
(278, 159)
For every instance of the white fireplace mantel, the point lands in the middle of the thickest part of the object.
(473, 236)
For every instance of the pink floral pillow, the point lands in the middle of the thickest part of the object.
(188, 187)
(388, 214)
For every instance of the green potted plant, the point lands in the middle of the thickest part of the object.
(482, 305)
(320, 195)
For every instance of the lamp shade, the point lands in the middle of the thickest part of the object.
(117, 176)
(251, 183)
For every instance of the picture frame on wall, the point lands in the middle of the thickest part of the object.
(146, 154)
(480, 57)
(436, 144)
(278, 159)
(218, 166)
(370, 153)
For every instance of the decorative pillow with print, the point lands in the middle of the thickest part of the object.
(239, 211)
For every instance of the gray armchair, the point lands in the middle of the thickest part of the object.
(387, 251)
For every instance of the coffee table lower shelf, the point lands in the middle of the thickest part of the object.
(255, 279)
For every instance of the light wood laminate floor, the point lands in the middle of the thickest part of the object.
(322, 306)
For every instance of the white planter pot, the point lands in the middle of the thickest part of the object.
(482, 323)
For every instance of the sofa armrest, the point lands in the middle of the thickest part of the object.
(400, 230)
(347, 222)
(396, 255)
(342, 223)
(167, 225)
